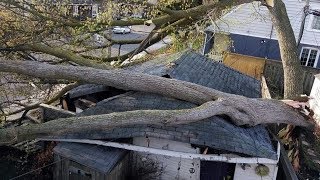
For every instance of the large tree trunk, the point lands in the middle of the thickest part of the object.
(293, 86)
(241, 110)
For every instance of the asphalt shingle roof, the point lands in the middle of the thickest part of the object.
(196, 68)
(215, 132)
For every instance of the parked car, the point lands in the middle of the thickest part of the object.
(137, 16)
(121, 30)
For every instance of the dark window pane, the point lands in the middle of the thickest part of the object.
(312, 58)
(304, 56)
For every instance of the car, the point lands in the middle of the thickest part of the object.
(121, 30)
(137, 16)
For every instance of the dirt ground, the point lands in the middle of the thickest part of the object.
(18, 164)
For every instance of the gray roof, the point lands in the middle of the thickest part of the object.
(192, 67)
(86, 89)
(215, 132)
(100, 158)
(196, 68)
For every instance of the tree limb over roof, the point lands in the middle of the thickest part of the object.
(241, 110)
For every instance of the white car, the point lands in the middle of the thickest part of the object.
(121, 30)
(137, 16)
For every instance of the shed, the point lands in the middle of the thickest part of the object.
(187, 151)
(83, 161)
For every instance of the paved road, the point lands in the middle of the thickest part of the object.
(137, 32)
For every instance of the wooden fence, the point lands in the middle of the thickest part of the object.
(248, 65)
(273, 72)
(271, 69)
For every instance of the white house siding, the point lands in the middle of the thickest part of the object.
(310, 36)
(254, 20)
(246, 20)
(315, 98)
(295, 14)
(249, 173)
(171, 167)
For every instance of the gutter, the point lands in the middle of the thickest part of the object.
(228, 158)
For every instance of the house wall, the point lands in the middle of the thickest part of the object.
(253, 19)
(262, 47)
(65, 169)
(247, 19)
(94, 7)
(315, 98)
(248, 172)
(310, 36)
(255, 46)
(252, 33)
(120, 171)
(165, 167)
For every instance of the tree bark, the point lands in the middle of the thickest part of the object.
(293, 86)
(64, 54)
(241, 110)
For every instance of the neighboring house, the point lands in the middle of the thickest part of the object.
(251, 32)
(212, 148)
(83, 9)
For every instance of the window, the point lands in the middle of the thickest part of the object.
(315, 22)
(309, 57)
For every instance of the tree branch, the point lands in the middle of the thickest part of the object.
(63, 54)
(51, 100)
(241, 110)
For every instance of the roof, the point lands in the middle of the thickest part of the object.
(86, 89)
(215, 132)
(100, 158)
(192, 67)
(196, 68)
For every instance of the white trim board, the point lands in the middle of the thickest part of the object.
(229, 158)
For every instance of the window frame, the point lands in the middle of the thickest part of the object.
(317, 57)
(309, 27)
(310, 24)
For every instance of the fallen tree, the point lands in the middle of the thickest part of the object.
(241, 110)
(56, 26)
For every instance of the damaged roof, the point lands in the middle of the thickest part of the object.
(215, 132)
(192, 67)
(196, 68)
